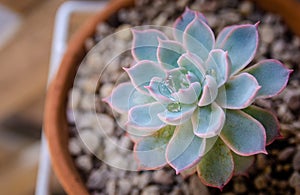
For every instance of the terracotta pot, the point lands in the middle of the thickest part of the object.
(55, 122)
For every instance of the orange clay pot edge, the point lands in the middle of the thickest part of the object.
(55, 123)
(289, 10)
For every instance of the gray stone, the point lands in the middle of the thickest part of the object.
(93, 61)
(296, 161)
(135, 191)
(246, 7)
(111, 187)
(239, 187)
(267, 33)
(90, 140)
(89, 84)
(97, 179)
(176, 191)
(294, 182)
(160, 20)
(150, 190)
(163, 177)
(124, 186)
(105, 125)
(125, 33)
(106, 90)
(260, 182)
(74, 146)
(87, 102)
(125, 144)
(84, 162)
(286, 153)
(141, 180)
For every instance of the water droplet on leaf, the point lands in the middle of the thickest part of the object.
(174, 107)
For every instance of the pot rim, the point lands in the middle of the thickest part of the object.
(55, 121)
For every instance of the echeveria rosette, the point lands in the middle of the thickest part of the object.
(189, 99)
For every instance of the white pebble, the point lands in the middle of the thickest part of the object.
(87, 102)
(74, 146)
(151, 190)
(106, 90)
(105, 124)
(267, 33)
(90, 140)
(246, 7)
(123, 32)
(111, 187)
(125, 186)
(84, 162)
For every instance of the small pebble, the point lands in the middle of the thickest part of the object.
(90, 140)
(135, 191)
(246, 7)
(93, 61)
(294, 182)
(89, 44)
(125, 144)
(123, 32)
(163, 177)
(292, 97)
(111, 187)
(89, 85)
(160, 20)
(74, 146)
(286, 153)
(239, 187)
(150, 190)
(141, 180)
(106, 90)
(296, 161)
(176, 191)
(84, 162)
(105, 125)
(87, 102)
(260, 182)
(267, 33)
(124, 186)
(97, 179)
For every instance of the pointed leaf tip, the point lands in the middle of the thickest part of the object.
(272, 75)
(241, 42)
(218, 65)
(168, 53)
(239, 92)
(182, 22)
(145, 43)
(198, 38)
(243, 134)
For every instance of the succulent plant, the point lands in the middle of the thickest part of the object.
(189, 99)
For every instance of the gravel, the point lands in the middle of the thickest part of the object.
(98, 137)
